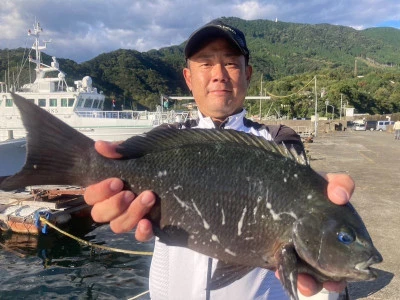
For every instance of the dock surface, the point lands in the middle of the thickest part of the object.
(372, 159)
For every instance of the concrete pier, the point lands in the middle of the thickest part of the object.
(372, 159)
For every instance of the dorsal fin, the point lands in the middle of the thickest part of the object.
(168, 138)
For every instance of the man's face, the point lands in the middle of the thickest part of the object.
(218, 77)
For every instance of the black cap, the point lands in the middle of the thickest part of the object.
(215, 28)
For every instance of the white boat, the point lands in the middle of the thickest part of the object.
(12, 156)
(81, 107)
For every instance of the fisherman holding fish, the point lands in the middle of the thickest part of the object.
(218, 75)
(217, 234)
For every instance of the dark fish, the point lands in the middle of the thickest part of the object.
(226, 194)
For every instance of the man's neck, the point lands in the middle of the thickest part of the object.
(220, 121)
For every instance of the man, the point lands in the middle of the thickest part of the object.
(218, 75)
(396, 128)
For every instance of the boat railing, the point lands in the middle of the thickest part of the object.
(157, 117)
(113, 114)
(171, 117)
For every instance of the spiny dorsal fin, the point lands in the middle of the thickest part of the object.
(168, 138)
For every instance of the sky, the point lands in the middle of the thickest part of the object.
(81, 30)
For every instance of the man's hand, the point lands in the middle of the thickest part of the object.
(121, 208)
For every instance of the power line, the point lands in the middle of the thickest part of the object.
(287, 96)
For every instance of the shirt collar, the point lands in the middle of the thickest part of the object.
(232, 122)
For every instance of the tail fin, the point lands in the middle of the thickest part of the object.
(56, 153)
(2, 178)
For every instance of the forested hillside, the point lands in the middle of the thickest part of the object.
(359, 67)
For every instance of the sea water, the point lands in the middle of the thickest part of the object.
(57, 267)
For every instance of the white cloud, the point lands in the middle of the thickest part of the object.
(250, 10)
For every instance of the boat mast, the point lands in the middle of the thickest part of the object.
(37, 47)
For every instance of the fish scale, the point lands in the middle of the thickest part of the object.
(229, 195)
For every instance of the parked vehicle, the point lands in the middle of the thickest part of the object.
(371, 125)
(382, 125)
(359, 127)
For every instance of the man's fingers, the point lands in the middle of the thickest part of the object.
(340, 187)
(111, 208)
(144, 231)
(103, 190)
(107, 149)
(307, 285)
(129, 218)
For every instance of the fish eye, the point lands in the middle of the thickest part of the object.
(345, 237)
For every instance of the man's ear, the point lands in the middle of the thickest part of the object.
(249, 72)
(188, 77)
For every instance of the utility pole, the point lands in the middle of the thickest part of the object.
(341, 106)
(316, 107)
(261, 93)
(355, 68)
(326, 108)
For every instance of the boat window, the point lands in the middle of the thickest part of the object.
(80, 102)
(96, 103)
(64, 102)
(88, 103)
(53, 102)
(9, 102)
(31, 100)
(42, 102)
(71, 102)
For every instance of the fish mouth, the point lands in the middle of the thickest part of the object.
(364, 267)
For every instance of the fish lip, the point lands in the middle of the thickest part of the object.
(364, 267)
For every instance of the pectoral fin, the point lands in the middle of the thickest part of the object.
(225, 274)
(287, 267)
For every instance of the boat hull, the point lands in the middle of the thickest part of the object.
(12, 156)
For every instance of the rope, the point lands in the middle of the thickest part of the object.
(99, 247)
(92, 244)
(276, 96)
(140, 295)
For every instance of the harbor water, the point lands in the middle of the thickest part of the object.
(58, 267)
(54, 267)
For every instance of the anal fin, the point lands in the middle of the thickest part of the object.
(225, 274)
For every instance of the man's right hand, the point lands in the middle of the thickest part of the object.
(121, 208)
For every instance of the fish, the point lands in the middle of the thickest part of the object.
(241, 199)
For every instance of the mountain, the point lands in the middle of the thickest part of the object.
(286, 56)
